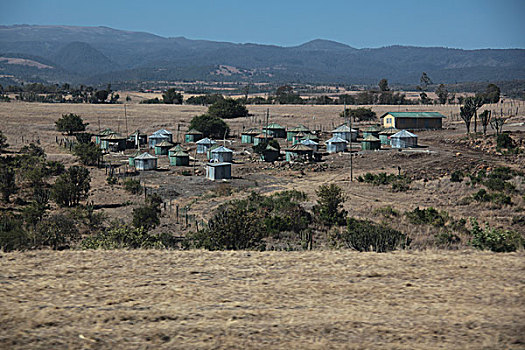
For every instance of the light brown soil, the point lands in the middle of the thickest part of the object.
(274, 300)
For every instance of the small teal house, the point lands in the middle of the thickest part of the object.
(113, 143)
(145, 162)
(344, 132)
(370, 143)
(131, 158)
(160, 136)
(204, 145)
(179, 158)
(310, 143)
(137, 139)
(403, 139)
(192, 135)
(218, 171)
(162, 148)
(103, 133)
(372, 131)
(299, 152)
(222, 154)
(275, 130)
(270, 154)
(384, 135)
(248, 136)
(300, 128)
(261, 138)
(336, 144)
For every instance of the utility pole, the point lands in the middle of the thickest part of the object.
(351, 135)
(126, 118)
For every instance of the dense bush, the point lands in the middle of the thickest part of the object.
(120, 236)
(57, 232)
(400, 183)
(457, 176)
(88, 153)
(327, 208)
(428, 216)
(132, 186)
(359, 114)
(227, 108)
(70, 123)
(71, 187)
(13, 236)
(364, 235)
(495, 239)
(210, 126)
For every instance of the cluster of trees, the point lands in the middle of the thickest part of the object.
(64, 93)
(472, 104)
(359, 114)
(170, 96)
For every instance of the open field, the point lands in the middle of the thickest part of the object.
(197, 299)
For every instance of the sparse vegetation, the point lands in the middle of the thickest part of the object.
(495, 239)
(400, 183)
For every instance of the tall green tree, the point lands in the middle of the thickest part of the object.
(171, 96)
(210, 126)
(88, 153)
(228, 108)
(478, 102)
(7, 182)
(71, 187)
(485, 118)
(383, 85)
(330, 198)
(467, 112)
(442, 94)
(492, 94)
(70, 123)
(3, 142)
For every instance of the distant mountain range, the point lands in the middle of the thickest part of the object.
(96, 55)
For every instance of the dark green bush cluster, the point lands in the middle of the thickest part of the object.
(428, 216)
(457, 176)
(505, 141)
(496, 198)
(400, 183)
(121, 236)
(132, 186)
(245, 224)
(364, 235)
(495, 239)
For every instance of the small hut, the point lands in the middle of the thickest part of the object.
(372, 131)
(310, 136)
(131, 158)
(370, 143)
(113, 143)
(344, 132)
(162, 148)
(192, 135)
(299, 152)
(179, 158)
(204, 144)
(145, 162)
(173, 150)
(100, 135)
(311, 143)
(275, 130)
(136, 140)
(300, 128)
(270, 154)
(222, 154)
(218, 171)
(261, 138)
(384, 135)
(336, 144)
(298, 137)
(248, 136)
(159, 136)
(403, 139)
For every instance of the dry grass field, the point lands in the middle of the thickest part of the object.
(272, 300)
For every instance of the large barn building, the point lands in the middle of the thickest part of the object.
(413, 120)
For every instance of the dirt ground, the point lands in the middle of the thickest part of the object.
(275, 300)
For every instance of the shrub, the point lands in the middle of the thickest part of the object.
(7, 182)
(364, 235)
(146, 217)
(327, 207)
(505, 141)
(494, 239)
(3, 142)
(57, 232)
(399, 182)
(111, 180)
(210, 126)
(70, 123)
(120, 236)
(71, 187)
(456, 176)
(132, 186)
(227, 108)
(428, 216)
(12, 233)
(387, 211)
(87, 153)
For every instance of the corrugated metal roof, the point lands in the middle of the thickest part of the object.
(145, 155)
(371, 138)
(193, 132)
(219, 164)
(114, 137)
(373, 128)
(180, 154)
(343, 128)
(162, 131)
(177, 148)
(298, 128)
(264, 136)
(415, 115)
(309, 142)
(299, 148)
(206, 141)
(403, 134)
(164, 144)
(251, 131)
(389, 131)
(222, 149)
(336, 139)
(274, 126)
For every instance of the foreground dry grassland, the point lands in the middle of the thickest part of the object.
(320, 300)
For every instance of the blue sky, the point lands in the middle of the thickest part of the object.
(452, 23)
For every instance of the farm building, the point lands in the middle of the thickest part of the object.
(162, 148)
(275, 130)
(103, 133)
(261, 138)
(145, 162)
(372, 131)
(300, 128)
(311, 143)
(270, 154)
(413, 120)
(204, 144)
(336, 144)
(312, 137)
(137, 139)
(248, 136)
(218, 171)
(131, 158)
(384, 135)
(179, 158)
(192, 135)
(159, 136)
(222, 154)
(299, 152)
(113, 143)
(403, 139)
(370, 143)
(344, 132)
